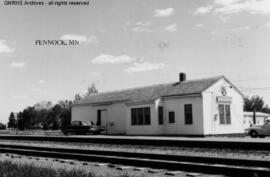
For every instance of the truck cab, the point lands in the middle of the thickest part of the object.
(83, 127)
(259, 130)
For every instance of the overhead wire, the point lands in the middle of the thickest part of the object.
(265, 89)
(251, 79)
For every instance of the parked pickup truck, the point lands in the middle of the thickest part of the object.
(83, 127)
(259, 130)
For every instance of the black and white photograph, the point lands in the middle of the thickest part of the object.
(134, 88)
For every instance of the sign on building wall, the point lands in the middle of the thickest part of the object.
(224, 99)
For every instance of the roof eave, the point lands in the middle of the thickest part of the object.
(234, 86)
(140, 103)
(100, 103)
(182, 95)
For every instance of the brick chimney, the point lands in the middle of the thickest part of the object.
(182, 77)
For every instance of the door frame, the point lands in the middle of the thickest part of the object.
(99, 119)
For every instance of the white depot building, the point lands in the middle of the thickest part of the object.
(207, 106)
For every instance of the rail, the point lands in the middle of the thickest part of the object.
(210, 165)
(151, 142)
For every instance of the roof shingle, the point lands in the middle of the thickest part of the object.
(151, 93)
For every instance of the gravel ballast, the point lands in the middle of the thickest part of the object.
(202, 152)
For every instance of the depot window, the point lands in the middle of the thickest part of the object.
(140, 116)
(160, 115)
(188, 114)
(171, 117)
(224, 113)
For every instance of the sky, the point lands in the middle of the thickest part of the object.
(130, 43)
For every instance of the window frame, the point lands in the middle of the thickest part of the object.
(188, 111)
(171, 113)
(147, 115)
(160, 115)
(140, 116)
(134, 120)
(225, 118)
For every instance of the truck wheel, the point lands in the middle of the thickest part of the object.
(262, 136)
(65, 133)
(96, 133)
(253, 134)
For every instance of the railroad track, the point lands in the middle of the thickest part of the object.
(209, 165)
(214, 144)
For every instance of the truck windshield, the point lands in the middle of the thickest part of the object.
(86, 123)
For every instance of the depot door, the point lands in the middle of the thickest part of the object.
(102, 119)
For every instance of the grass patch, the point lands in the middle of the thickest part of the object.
(31, 132)
(10, 169)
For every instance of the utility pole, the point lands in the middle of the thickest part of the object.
(17, 123)
(254, 116)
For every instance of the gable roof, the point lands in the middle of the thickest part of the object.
(151, 93)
